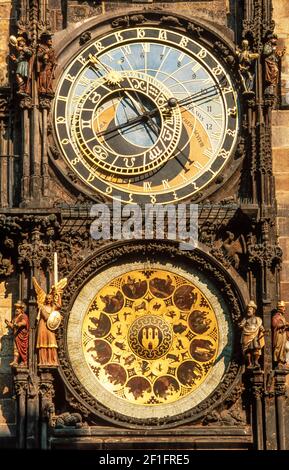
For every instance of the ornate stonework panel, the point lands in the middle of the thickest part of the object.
(7, 404)
(151, 342)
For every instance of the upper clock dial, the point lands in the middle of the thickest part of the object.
(146, 114)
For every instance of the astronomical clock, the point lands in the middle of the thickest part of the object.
(156, 106)
(148, 341)
(146, 114)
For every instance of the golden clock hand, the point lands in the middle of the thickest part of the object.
(131, 122)
(172, 102)
(136, 103)
(207, 93)
(196, 97)
(151, 124)
(95, 60)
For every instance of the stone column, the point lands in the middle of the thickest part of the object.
(26, 106)
(32, 412)
(46, 393)
(280, 390)
(21, 387)
(257, 381)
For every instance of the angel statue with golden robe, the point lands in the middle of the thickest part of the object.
(49, 320)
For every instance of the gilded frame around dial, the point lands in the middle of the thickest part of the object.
(81, 292)
(155, 341)
(177, 175)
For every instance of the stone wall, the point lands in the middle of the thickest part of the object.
(281, 18)
(5, 23)
(280, 143)
(216, 11)
(7, 403)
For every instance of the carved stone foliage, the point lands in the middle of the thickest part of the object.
(257, 24)
(261, 251)
(224, 418)
(6, 266)
(226, 52)
(4, 102)
(280, 382)
(114, 254)
(32, 19)
(34, 254)
(73, 248)
(265, 254)
(257, 384)
(230, 413)
(207, 234)
(46, 392)
(77, 11)
(26, 240)
(29, 241)
(20, 387)
(37, 243)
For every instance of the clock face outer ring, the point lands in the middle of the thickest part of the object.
(203, 188)
(119, 256)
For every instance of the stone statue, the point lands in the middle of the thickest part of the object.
(21, 56)
(49, 320)
(252, 339)
(272, 55)
(46, 64)
(233, 248)
(20, 327)
(280, 342)
(66, 420)
(246, 63)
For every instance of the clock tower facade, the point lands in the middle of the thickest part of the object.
(116, 322)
